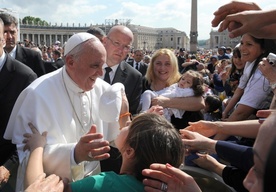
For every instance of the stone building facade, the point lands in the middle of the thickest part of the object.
(145, 38)
(218, 39)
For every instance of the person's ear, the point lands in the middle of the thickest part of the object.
(130, 153)
(69, 61)
(104, 40)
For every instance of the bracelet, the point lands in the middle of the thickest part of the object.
(125, 114)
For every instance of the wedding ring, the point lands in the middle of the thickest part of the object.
(90, 155)
(164, 187)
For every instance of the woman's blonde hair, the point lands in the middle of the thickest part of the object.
(174, 77)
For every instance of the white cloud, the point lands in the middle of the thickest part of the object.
(151, 13)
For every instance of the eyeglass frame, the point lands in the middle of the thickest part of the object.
(117, 44)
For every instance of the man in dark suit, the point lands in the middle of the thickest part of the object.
(27, 56)
(137, 62)
(58, 60)
(118, 44)
(14, 77)
(181, 59)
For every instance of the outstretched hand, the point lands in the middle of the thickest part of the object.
(50, 183)
(35, 139)
(91, 147)
(231, 8)
(205, 128)
(175, 179)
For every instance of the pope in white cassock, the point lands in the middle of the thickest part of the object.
(65, 103)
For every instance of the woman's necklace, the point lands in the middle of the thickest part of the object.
(75, 112)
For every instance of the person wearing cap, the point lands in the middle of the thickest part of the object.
(25, 55)
(66, 103)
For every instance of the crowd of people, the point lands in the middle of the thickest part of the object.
(96, 115)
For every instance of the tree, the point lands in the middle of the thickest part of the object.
(34, 21)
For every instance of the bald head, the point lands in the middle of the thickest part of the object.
(120, 29)
(117, 44)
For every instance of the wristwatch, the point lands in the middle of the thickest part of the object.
(273, 86)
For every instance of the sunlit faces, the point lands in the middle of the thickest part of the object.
(186, 81)
(162, 67)
(138, 55)
(249, 49)
(238, 62)
(117, 46)
(11, 33)
(87, 67)
(120, 140)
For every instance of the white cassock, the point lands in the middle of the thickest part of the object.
(51, 103)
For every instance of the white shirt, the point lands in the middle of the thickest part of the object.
(256, 89)
(13, 52)
(2, 60)
(111, 73)
(45, 103)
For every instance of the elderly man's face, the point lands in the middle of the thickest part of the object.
(88, 67)
(254, 179)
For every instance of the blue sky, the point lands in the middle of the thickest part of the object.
(150, 13)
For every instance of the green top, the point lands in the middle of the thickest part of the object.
(107, 181)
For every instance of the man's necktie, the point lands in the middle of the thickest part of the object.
(137, 66)
(106, 76)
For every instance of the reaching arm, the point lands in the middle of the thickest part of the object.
(184, 103)
(260, 24)
(233, 101)
(247, 128)
(35, 143)
(231, 8)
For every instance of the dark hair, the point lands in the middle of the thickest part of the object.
(8, 19)
(57, 52)
(236, 53)
(198, 82)
(214, 103)
(154, 140)
(96, 31)
(268, 45)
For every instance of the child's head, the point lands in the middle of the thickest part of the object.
(150, 139)
(194, 80)
(212, 103)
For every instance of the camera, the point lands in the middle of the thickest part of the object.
(271, 58)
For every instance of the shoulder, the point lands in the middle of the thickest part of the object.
(124, 66)
(19, 67)
(29, 52)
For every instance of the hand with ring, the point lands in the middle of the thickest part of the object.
(168, 178)
(164, 187)
(91, 147)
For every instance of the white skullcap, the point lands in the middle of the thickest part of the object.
(75, 40)
(110, 103)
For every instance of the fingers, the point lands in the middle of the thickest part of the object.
(264, 113)
(90, 137)
(93, 129)
(98, 153)
(33, 128)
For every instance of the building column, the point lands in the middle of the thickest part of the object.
(193, 33)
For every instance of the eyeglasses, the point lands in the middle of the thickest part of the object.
(119, 45)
